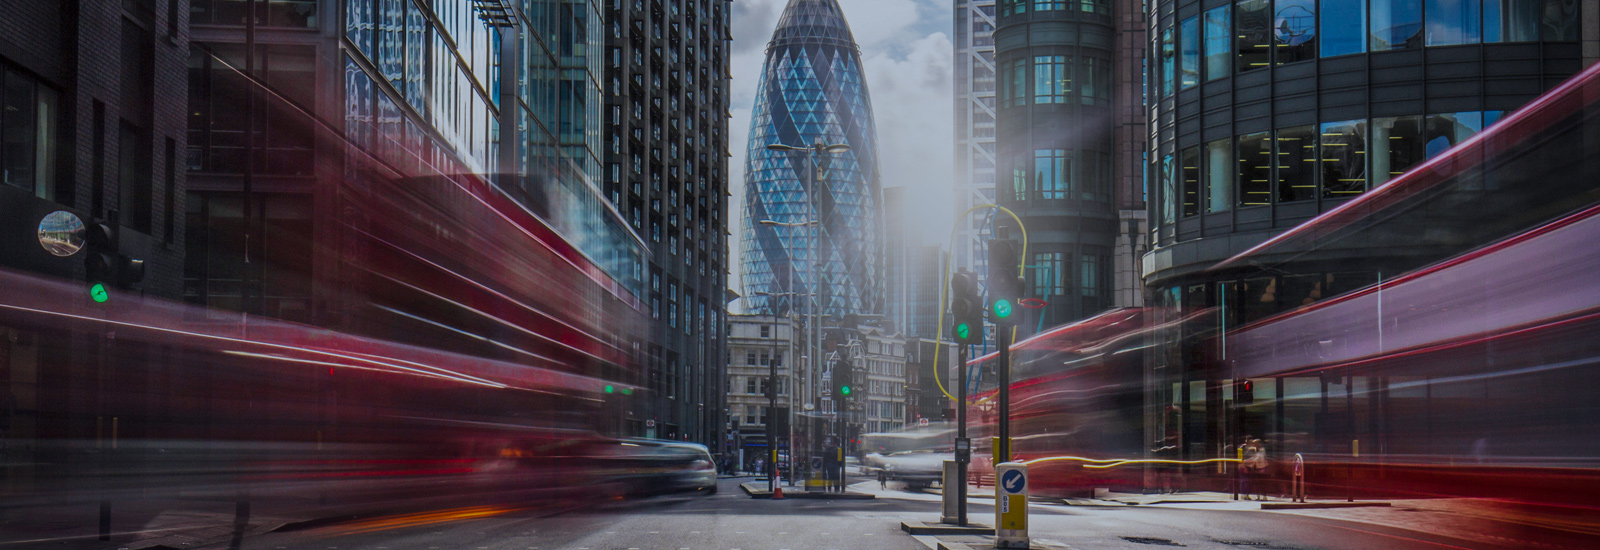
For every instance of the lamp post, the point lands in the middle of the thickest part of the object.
(772, 380)
(814, 152)
(810, 370)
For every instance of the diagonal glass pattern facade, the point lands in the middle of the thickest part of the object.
(811, 90)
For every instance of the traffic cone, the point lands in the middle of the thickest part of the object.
(777, 492)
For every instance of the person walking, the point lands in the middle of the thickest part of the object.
(1254, 465)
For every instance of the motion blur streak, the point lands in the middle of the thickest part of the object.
(420, 519)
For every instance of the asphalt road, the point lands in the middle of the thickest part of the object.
(732, 521)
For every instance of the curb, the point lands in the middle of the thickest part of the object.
(760, 492)
(1319, 505)
(953, 546)
(920, 528)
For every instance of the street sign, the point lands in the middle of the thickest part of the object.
(651, 423)
(1011, 510)
(922, 422)
(816, 463)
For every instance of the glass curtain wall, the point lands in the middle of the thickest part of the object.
(1219, 175)
(1219, 41)
(1396, 25)
(1189, 37)
(1253, 43)
(1294, 31)
(1191, 182)
(1255, 169)
(1397, 145)
(1296, 155)
(1344, 24)
(1343, 158)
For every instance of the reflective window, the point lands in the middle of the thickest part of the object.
(1452, 21)
(1019, 178)
(1344, 27)
(1169, 193)
(1051, 171)
(1219, 175)
(1343, 158)
(1189, 35)
(1296, 156)
(1444, 131)
(1089, 274)
(1253, 18)
(1014, 83)
(1191, 182)
(1294, 30)
(1512, 20)
(1094, 6)
(1397, 145)
(1560, 21)
(1052, 79)
(1396, 24)
(1169, 63)
(1095, 81)
(1219, 38)
(1255, 169)
(1049, 274)
(272, 13)
(1046, 5)
(1013, 7)
(28, 135)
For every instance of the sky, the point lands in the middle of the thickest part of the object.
(906, 55)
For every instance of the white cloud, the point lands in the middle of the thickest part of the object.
(906, 54)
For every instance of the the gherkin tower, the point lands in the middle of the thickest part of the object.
(812, 89)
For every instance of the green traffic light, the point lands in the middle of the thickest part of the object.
(98, 293)
(1002, 308)
(610, 389)
(627, 391)
(963, 331)
(844, 390)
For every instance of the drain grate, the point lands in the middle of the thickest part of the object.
(1152, 540)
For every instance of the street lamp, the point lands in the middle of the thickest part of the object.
(772, 375)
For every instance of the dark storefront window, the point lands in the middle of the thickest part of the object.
(1254, 18)
(1397, 145)
(1052, 169)
(1294, 31)
(300, 14)
(28, 135)
(1219, 175)
(1297, 163)
(1189, 37)
(1191, 181)
(1396, 24)
(1255, 169)
(1453, 21)
(1343, 158)
(1219, 39)
(1344, 27)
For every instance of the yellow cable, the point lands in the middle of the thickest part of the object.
(944, 285)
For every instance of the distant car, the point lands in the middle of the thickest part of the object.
(652, 467)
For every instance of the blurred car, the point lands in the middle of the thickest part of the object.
(652, 467)
(917, 469)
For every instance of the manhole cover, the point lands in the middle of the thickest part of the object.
(1152, 540)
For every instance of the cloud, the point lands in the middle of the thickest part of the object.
(907, 56)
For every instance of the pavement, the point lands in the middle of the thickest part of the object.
(731, 520)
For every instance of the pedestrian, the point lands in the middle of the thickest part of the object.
(883, 479)
(1254, 465)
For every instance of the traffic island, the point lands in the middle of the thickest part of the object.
(758, 489)
(921, 528)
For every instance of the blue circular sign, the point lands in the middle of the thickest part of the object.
(1012, 481)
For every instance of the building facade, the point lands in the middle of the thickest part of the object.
(880, 364)
(811, 91)
(1066, 100)
(761, 351)
(930, 380)
(975, 163)
(666, 163)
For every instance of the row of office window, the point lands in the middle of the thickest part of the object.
(1331, 160)
(1058, 174)
(1252, 34)
(757, 385)
(1018, 7)
(1055, 79)
(1051, 274)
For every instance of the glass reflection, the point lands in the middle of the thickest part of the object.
(1453, 21)
(1344, 24)
(1397, 145)
(1219, 176)
(1294, 30)
(1446, 130)
(1219, 37)
(1343, 158)
(1396, 24)
(1253, 17)
(1189, 34)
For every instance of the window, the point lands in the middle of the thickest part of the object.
(1089, 275)
(1343, 158)
(28, 135)
(1046, 5)
(750, 359)
(1219, 175)
(1051, 170)
(278, 13)
(1095, 85)
(1169, 63)
(1453, 21)
(1512, 20)
(1013, 7)
(766, 331)
(217, 243)
(1094, 6)
(134, 186)
(750, 385)
(1049, 274)
(1169, 195)
(1191, 182)
(1255, 169)
(1189, 37)
(1254, 19)
(1019, 178)
(1219, 38)
(1344, 24)
(1014, 83)
(766, 359)
(1052, 79)
(1294, 31)
(1396, 25)
(1397, 145)
(1446, 130)
(1296, 159)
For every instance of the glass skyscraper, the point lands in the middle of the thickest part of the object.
(812, 90)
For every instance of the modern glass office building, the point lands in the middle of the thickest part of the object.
(812, 90)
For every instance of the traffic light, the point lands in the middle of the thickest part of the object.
(965, 308)
(1005, 286)
(1244, 391)
(843, 378)
(99, 259)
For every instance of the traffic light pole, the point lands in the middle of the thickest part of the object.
(962, 458)
(1003, 340)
